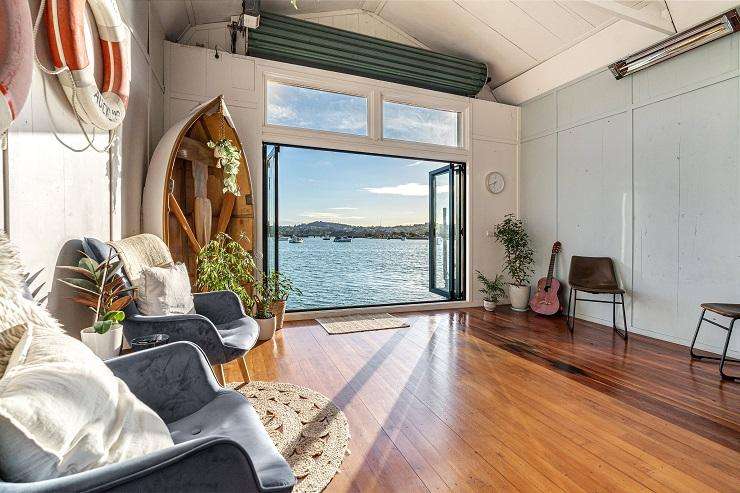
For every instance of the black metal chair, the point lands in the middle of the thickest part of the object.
(594, 275)
(728, 310)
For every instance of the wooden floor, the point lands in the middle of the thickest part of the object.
(465, 400)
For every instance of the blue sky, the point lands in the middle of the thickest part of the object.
(354, 188)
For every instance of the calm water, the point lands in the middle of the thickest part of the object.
(363, 272)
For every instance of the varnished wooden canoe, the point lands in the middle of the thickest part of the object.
(184, 203)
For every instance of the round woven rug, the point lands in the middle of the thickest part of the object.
(306, 427)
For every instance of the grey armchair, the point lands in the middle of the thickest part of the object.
(220, 443)
(219, 325)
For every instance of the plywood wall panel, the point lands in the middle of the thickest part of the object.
(592, 97)
(691, 68)
(538, 176)
(538, 117)
(595, 198)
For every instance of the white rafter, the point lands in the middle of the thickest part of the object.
(653, 15)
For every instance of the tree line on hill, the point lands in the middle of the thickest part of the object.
(324, 228)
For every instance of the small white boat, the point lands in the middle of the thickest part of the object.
(296, 239)
(342, 239)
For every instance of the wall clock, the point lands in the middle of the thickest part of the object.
(495, 182)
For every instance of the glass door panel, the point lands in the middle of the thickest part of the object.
(270, 217)
(441, 228)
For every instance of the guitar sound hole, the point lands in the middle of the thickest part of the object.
(547, 288)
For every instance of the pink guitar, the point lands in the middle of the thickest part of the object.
(546, 300)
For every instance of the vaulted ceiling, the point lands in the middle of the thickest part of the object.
(530, 46)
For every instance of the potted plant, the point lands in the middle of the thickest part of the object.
(492, 290)
(225, 265)
(511, 233)
(284, 287)
(102, 289)
(264, 297)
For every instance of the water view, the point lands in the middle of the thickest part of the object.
(354, 228)
(365, 271)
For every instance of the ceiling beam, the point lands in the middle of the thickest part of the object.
(652, 15)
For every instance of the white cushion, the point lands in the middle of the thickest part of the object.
(63, 411)
(165, 291)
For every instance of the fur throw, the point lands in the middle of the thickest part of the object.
(17, 313)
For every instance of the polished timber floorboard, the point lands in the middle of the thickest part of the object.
(466, 400)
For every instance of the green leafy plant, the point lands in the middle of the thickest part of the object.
(492, 290)
(265, 294)
(225, 265)
(229, 157)
(283, 286)
(511, 233)
(100, 288)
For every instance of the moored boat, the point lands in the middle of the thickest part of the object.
(342, 239)
(296, 239)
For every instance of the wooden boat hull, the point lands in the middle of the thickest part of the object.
(183, 203)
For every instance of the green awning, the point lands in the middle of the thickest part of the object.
(305, 43)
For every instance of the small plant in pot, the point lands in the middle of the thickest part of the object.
(511, 233)
(264, 297)
(101, 288)
(492, 290)
(283, 287)
(225, 265)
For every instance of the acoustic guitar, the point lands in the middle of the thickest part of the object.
(546, 300)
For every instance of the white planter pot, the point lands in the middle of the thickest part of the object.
(519, 297)
(267, 328)
(489, 305)
(105, 346)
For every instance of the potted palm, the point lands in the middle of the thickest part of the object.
(284, 287)
(102, 289)
(511, 233)
(264, 297)
(225, 265)
(492, 290)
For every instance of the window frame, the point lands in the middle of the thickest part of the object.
(459, 291)
(458, 111)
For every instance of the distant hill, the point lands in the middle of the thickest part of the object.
(324, 228)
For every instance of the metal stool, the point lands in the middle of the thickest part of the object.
(730, 311)
(595, 275)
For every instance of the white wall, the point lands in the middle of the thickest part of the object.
(645, 170)
(56, 195)
(193, 75)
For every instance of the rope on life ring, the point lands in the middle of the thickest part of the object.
(15, 60)
(65, 24)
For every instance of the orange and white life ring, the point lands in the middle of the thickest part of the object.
(16, 59)
(104, 109)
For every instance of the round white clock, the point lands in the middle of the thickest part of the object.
(495, 182)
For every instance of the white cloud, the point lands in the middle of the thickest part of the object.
(407, 190)
(320, 215)
(424, 163)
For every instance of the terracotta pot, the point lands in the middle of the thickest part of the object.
(278, 308)
(267, 328)
(489, 306)
(519, 297)
(106, 345)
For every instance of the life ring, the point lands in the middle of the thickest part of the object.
(65, 24)
(16, 59)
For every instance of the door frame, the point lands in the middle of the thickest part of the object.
(460, 166)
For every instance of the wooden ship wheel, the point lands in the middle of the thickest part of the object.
(184, 199)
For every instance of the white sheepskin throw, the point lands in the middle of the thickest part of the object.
(17, 313)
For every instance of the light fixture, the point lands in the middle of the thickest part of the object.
(708, 31)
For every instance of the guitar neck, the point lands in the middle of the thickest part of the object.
(551, 270)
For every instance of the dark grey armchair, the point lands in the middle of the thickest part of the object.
(219, 325)
(220, 443)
